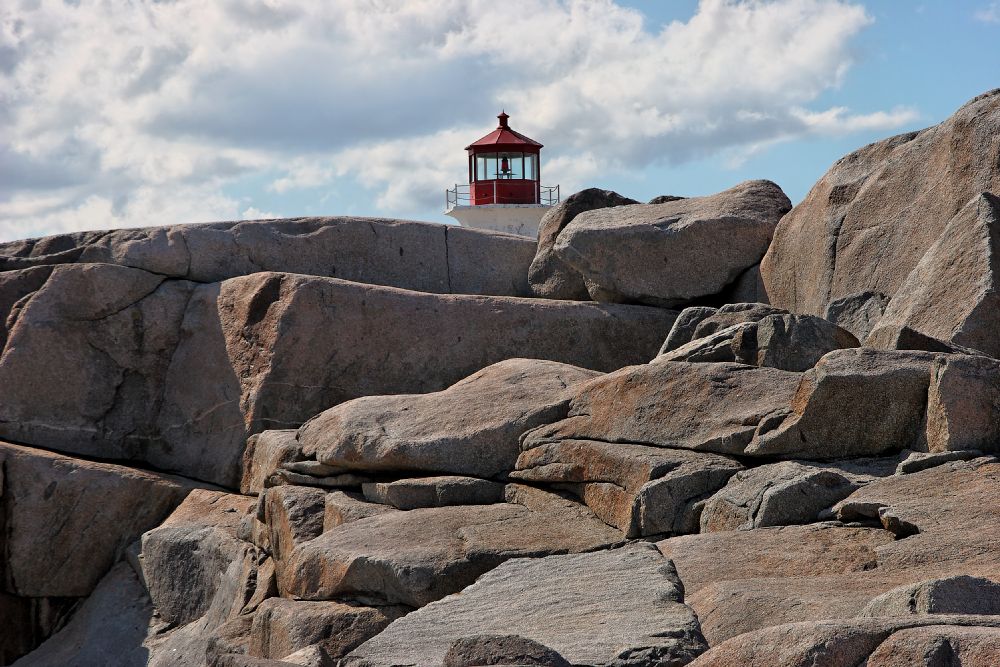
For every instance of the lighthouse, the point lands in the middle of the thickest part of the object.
(504, 193)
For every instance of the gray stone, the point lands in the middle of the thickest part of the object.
(917, 461)
(292, 515)
(685, 325)
(177, 376)
(747, 288)
(870, 219)
(344, 507)
(264, 455)
(282, 627)
(698, 245)
(108, 629)
(408, 494)
(950, 595)
(500, 650)
(777, 494)
(471, 428)
(397, 253)
(621, 607)
(716, 408)
(66, 521)
(962, 403)
(900, 337)
(185, 559)
(951, 293)
(938, 646)
(638, 489)
(549, 276)
(858, 313)
(418, 556)
(734, 313)
(788, 342)
(850, 642)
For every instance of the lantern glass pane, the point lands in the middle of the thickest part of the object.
(530, 168)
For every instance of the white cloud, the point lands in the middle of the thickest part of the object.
(989, 14)
(119, 114)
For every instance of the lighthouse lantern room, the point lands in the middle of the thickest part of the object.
(504, 193)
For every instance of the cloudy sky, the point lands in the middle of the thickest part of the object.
(121, 113)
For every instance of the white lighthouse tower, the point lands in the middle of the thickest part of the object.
(504, 193)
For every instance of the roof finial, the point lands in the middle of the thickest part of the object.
(503, 118)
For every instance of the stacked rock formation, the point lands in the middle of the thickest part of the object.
(364, 442)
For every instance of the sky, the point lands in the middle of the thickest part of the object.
(131, 113)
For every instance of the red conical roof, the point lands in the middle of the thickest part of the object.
(505, 138)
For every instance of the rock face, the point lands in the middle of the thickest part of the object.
(699, 245)
(951, 294)
(471, 428)
(54, 504)
(397, 253)
(868, 222)
(551, 277)
(177, 375)
(788, 342)
(638, 489)
(416, 557)
(701, 407)
(620, 607)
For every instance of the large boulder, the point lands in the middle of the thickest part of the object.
(549, 276)
(421, 555)
(119, 363)
(789, 342)
(868, 222)
(952, 292)
(399, 253)
(668, 254)
(67, 521)
(471, 428)
(620, 607)
(782, 494)
(638, 489)
(702, 407)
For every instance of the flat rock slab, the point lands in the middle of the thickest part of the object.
(623, 607)
(419, 556)
(398, 253)
(697, 245)
(177, 374)
(408, 494)
(68, 520)
(638, 489)
(701, 407)
(471, 428)
(849, 642)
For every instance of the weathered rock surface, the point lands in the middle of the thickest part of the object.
(398, 253)
(855, 402)
(933, 645)
(178, 375)
(282, 627)
(471, 428)
(419, 556)
(847, 643)
(741, 581)
(549, 276)
(858, 313)
(501, 650)
(962, 404)
(108, 629)
(265, 454)
(951, 294)
(344, 507)
(638, 489)
(788, 342)
(780, 494)
(184, 559)
(408, 494)
(54, 507)
(702, 407)
(699, 245)
(950, 595)
(622, 607)
(868, 222)
(292, 515)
